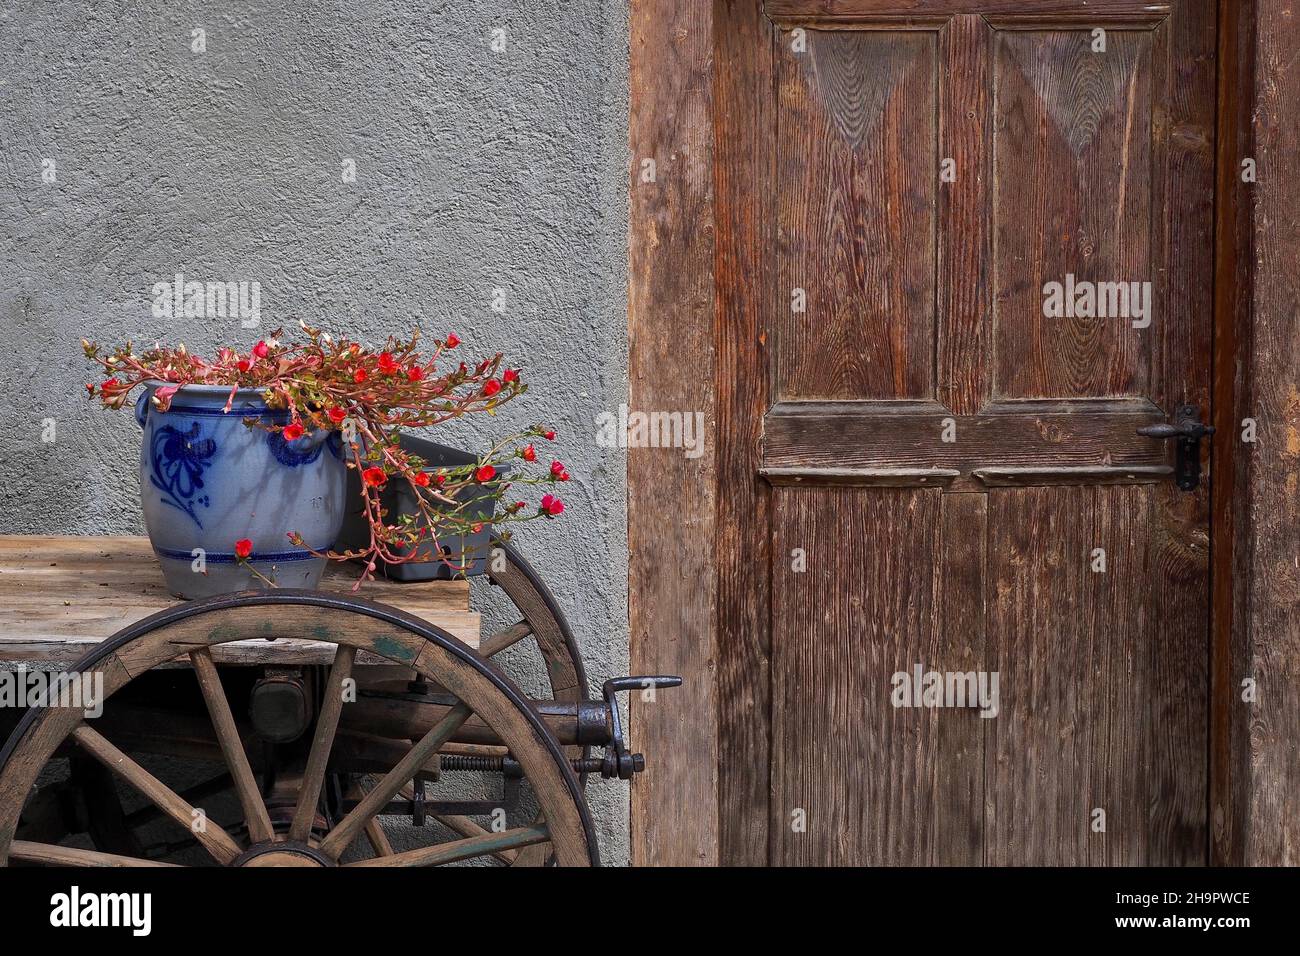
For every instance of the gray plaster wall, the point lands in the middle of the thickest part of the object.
(476, 170)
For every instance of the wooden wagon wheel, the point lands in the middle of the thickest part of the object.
(542, 621)
(191, 630)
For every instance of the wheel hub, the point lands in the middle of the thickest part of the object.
(282, 854)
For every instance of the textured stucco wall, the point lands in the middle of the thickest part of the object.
(476, 170)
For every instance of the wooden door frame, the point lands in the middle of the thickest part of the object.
(695, 341)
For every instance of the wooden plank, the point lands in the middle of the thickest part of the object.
(744, 179)
(959, 642)
(1268, 560)
(69, 593)
(1229, 534)
(860, 771)
(1103, 678)
(964, 234)
(1039, 790)
(824, 12)
(871, 436)
(671, 595)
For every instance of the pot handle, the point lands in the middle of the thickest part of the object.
(142, 406)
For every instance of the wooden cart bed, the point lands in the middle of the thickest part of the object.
(60, 596)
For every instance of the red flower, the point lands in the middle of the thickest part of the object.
(558, 472)
(243, 548)
(486, 473)
(414, 373)
(422, 479)
(359, 376)
(552, 505)
(440, 479)
(292, 431)
(374, 476)
(510, 375)
(491, 387)
(261, 350)
(110, 385)
(90, 387)
(452, 341)
(386, 363)
(243, 365)
(549, 436)
(529, 453)
(337, 415)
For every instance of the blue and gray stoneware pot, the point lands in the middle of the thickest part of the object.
(208, 480)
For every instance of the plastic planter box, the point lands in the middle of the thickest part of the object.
(471, 550)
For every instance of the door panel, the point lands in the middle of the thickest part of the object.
(949, 461)
(856, 226)
(1072, 164)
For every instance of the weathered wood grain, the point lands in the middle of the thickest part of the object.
(925, 303)
(66, 594)
(856, 215)
(823, 12)
(1233, 342)
(671, 592)
(964, 235)
(1047, 436)
(744, 122)
(958, 642)
(861, 770)
(1072, 194)
(1268, 561)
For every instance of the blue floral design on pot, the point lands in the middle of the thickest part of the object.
(208, 479)
(177, 460)
(302, 451)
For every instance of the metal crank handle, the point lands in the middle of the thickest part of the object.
(617, 761)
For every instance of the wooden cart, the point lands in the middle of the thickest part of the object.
(296, 718)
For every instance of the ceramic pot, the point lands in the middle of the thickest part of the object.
(208, 480)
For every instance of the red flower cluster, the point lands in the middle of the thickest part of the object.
(552, 506)
(558, 472)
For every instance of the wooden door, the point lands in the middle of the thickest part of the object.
(919, 466)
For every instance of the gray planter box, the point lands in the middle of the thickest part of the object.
(471, 550)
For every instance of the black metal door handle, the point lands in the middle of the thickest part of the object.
(1188, 429)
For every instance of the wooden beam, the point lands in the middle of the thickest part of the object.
(744, 42)
(1267, 567)
(671, 503)
(1229, 733)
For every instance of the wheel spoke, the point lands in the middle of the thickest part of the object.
(468, 828)
(318, 760)
(508, 637)
(214, 839)
(338, 839)
(375, 834)
(463, 849)
(232, 746)
(70, 856)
